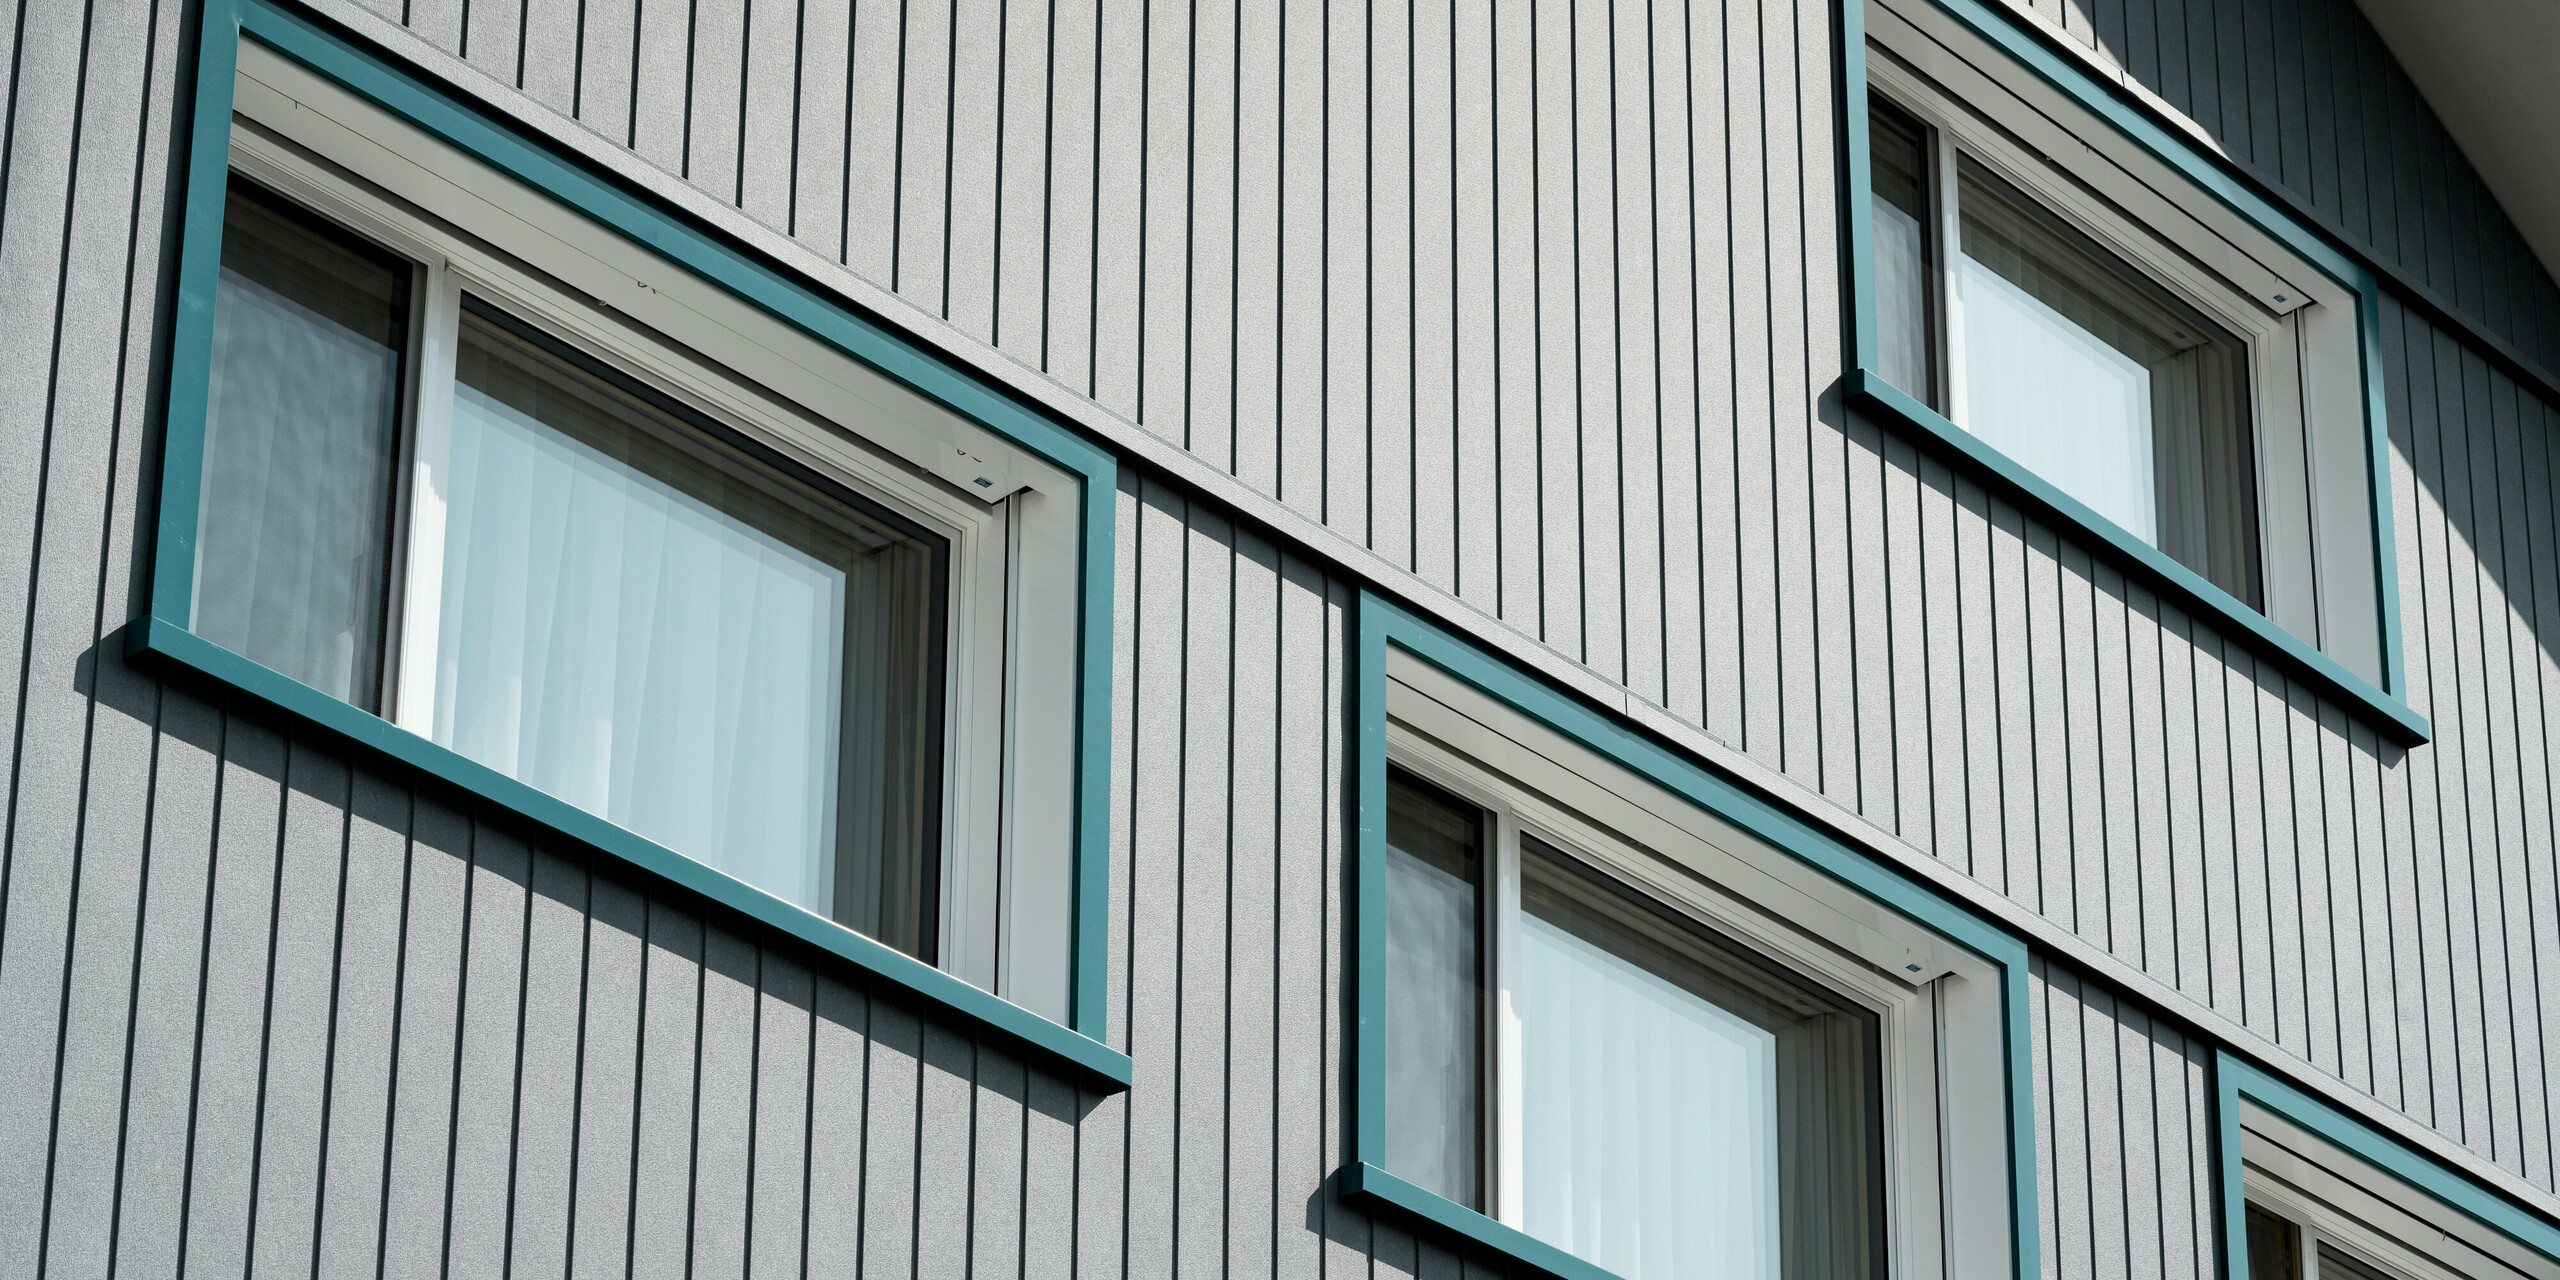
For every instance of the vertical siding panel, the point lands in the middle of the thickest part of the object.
(159, 1076)
(1748, 169)
(2380, 908)
(493, 37)
(541, 1212)
(608, 39)
(1050, 1177)
(893, 1207)
(1020, 266)
(2010, 612)
(1559, 569)
(945, 1131)
(2062, 1127)
(2430, 698)
(2054, 708)
(1640, 530)
(873, 155)
(2080, 811)
(979, 90)
(1162, 245)
(1938, 771)
(2180, 840)
(41, 797)
(919, 259)
(609, 1054)
(1389, 303)
(838, 1144)
(1304, 829)
(1073, 122)
(1592, 537)
(2311, 847)
(549, 58)
(1977, 735)
(2541, 432)
(1298, 168)
(670, 1029)
(2118, 874)
(1679, 408)
(301, 982)
(2350, 941)
(487, 1065)
(1883, 647)
(1257, 770)
(777, 1219)
(230, 1034)
(2515, 757)
(2228, 940)
(439, 22)
(1202, 999)
(1476, 380)
(1434, 227)
(997, 1173)
(724, 1091)
(1348, 160)
(435, 930)
(2156, 854)
(769, 137)
(662, 63)
(1791, 463)
(1721, 375)
(1157, 831)
(1203, 328)
(715, 98)
(2249, 841)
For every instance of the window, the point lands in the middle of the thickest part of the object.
(1625, 1031)
(2072, 304)
(2316, 1212)
(526, 491)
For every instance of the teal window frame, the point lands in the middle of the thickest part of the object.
(161, 640)
(1868, 389)
(2236, 1078)
(1364, 1180)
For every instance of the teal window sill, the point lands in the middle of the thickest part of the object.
(1381, 1192)
(1870, 391)
(162, 643)
(2385, 705)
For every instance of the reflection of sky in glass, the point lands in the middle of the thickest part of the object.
(1649, 1118)
(2057, 400)
(639, 653)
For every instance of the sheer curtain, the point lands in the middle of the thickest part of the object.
(651, 627)
(1689, 1112)
(1898, 170)
(293, 524)
(1434, 991)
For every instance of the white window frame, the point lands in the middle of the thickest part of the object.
(1938, 1006)
(2333, 1197)
(1010, 516)
(2306, 370)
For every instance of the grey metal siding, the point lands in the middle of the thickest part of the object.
(1533, 304)
(2124, 1135)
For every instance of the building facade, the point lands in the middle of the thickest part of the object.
(1287, 411)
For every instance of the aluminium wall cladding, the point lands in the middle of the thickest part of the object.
(1536, 303)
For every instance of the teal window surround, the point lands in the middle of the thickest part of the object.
(2236, 1078)
(1364, 1180)
(162, 641)
(1866, 387)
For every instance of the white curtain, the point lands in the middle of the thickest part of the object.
(1432, 1002)
(2057, 399)
(291, 521)
(1902, 297)
(1649, 1118)
(639, 652)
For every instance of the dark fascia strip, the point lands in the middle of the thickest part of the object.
(161, 640)
(1381, 624)
(2236, 1078)
(1870, 390)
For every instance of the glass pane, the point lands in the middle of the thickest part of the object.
(2097, 379)
(698, 645)
(1689, 1111)
(301, 431)
(2338, 1265)
(1434, 990)
(1899, 171)
(2273, 1246)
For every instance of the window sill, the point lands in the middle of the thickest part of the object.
(162, 647)
(1370, 1187)
(1868, 391)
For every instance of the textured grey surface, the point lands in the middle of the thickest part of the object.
(258, 1003)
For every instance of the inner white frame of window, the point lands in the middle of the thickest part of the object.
(1010, 517)
(2329, 1195)
(1937, 1006)
(2306, 375)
